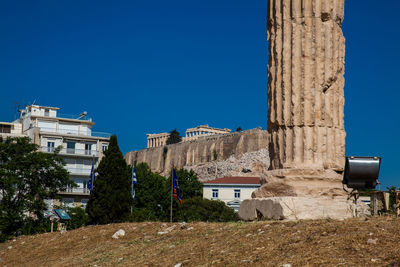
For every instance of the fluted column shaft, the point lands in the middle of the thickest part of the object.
(305, 83)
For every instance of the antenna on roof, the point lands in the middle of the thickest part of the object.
(16, 109)
(82, 115)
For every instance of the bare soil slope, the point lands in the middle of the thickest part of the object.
(354, 242)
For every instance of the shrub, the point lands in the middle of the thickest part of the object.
(79, 217)
(199, 209)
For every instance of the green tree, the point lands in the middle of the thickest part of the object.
(189, 184)
(174, 137)
(152, 198)
(153, 195)
(199, 209)
(392, 196)
(79, 217)
(27, 178)
(111, 197)
(239, 129)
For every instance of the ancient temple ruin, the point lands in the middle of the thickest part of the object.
(305, 110)
(160, 139)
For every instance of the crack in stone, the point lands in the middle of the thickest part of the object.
(331, 81)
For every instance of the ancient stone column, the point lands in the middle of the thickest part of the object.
(305, 93)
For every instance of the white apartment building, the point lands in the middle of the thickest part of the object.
(80, 146)
(231, 190)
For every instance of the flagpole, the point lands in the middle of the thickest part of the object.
(132, 187)
(172, 190)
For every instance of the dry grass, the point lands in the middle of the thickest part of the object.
(303, 243)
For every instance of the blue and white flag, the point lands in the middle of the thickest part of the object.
(92, 178)
(134, 182)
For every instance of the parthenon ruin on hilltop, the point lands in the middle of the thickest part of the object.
(160, 139)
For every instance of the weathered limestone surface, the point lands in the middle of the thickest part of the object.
(299, 208)
(305, 94)
(229, 153)
(305, 104)
(305, 84)
(253, 163)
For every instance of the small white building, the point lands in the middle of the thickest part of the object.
(231, 190)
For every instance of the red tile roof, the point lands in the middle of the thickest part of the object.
(235, 180)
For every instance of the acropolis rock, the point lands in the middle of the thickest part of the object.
(305, 106)
(211, 156)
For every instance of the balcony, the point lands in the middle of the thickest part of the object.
(74, 117)
(71, 151)
(75, 132)
(79, 171)
(59, 115)
(5, 135)
(75, 191)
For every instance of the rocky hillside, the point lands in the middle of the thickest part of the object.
(234, 154)
(354, 242)
(253, 163)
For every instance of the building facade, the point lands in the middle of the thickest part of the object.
(231, 190)
(10, 129)
(80, 146)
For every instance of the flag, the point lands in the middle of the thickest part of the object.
(92, 178)
(177, 191)
(134, 182)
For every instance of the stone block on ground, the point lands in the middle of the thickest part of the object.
(299, 208)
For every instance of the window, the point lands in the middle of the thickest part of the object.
(69, 189)
(5, 128)
(71, 147)
(237, 193)
(215, 193)
(88, 149)
(50, 146)
(68, 202)
(46, 112)
(104, 148)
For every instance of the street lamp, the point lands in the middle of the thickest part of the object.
(360, 173)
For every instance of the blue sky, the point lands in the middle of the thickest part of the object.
(142, 67)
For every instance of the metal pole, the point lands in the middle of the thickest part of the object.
(355, 195)
(355, 206)
(172, 190)
(375, 202)
(132, 187)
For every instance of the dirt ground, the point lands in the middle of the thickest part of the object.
(355, 242)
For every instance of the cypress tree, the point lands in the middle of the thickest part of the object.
(111, 197)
